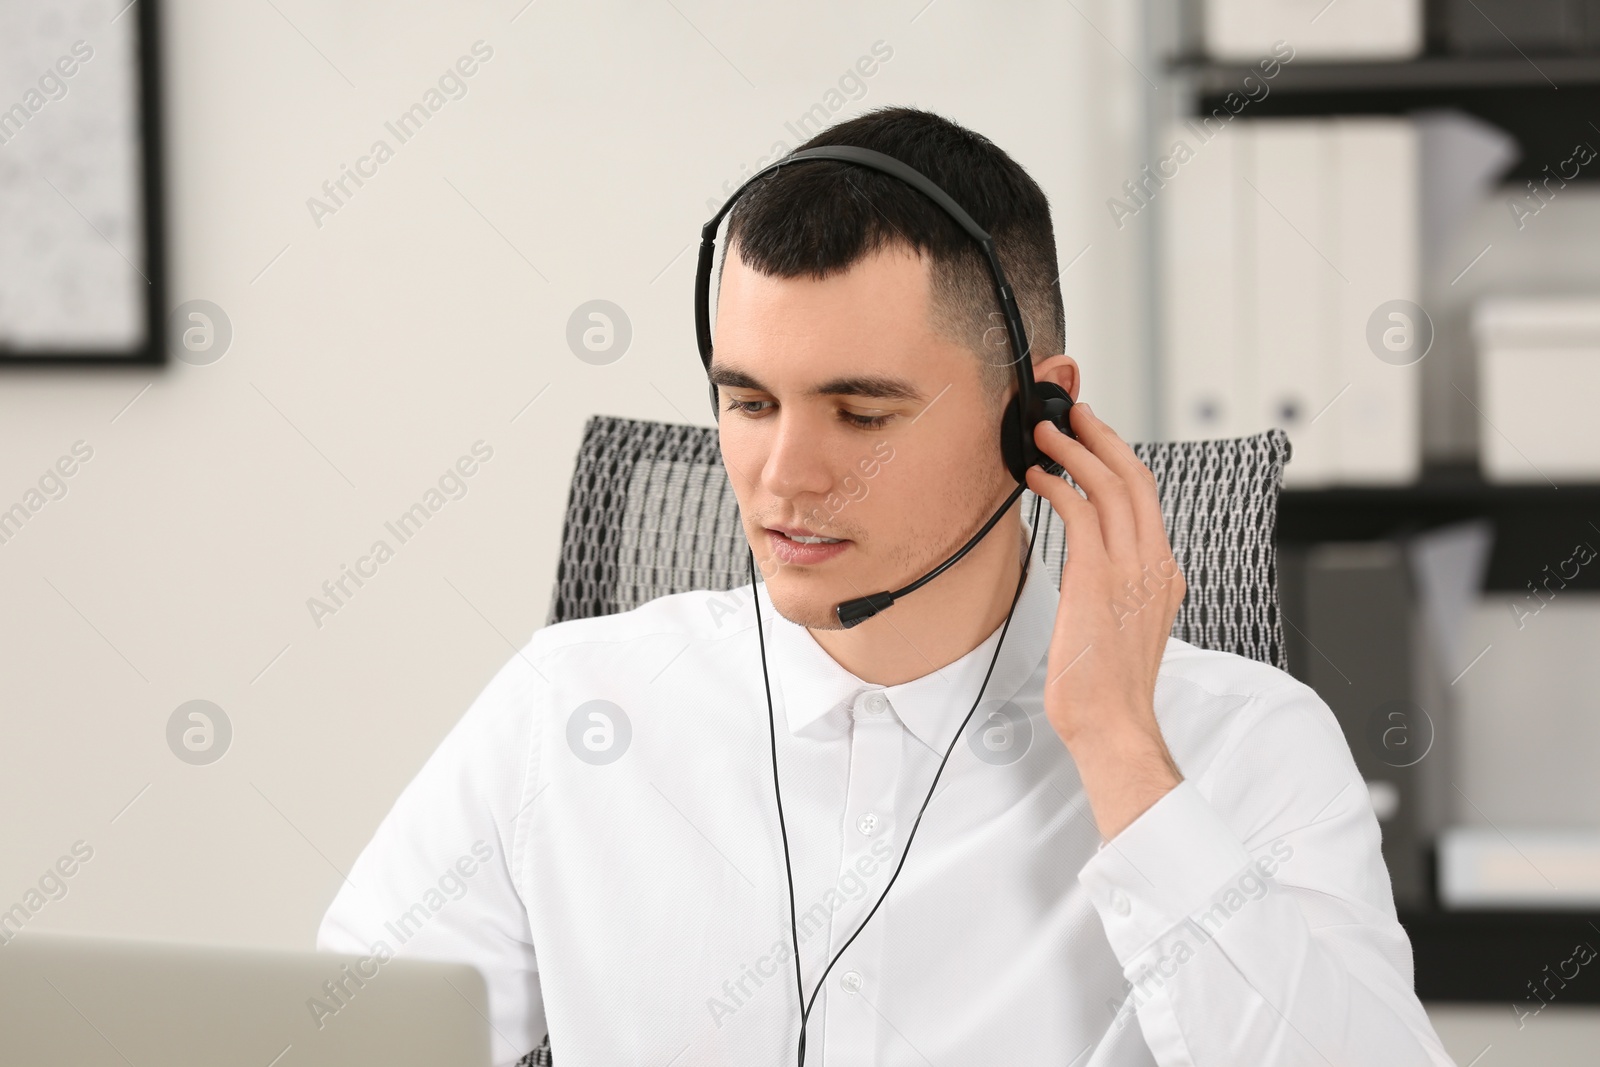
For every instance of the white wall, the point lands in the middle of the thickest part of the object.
(377, 348)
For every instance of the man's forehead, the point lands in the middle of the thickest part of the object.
(881, 299)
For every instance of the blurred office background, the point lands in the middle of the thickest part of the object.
(1372, 222)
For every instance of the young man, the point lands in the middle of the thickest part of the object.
(1132, 830)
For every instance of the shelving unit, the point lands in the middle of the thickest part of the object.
(1549, 104)
(1472, 956)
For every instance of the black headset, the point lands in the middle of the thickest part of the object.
(1034, 402)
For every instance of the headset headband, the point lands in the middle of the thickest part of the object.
(866, 157)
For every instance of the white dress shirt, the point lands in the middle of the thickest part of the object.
(598, 836)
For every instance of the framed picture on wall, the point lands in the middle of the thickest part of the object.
(82, 264)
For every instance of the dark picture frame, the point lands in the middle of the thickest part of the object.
(151, 349)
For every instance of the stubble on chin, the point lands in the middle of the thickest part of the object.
(809, 613)
(802, 607)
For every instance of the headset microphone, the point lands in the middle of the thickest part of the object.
(1033, 403)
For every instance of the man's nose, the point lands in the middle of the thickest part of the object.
(797, 463)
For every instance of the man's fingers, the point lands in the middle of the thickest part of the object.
(1123, 509)
(1078, 517)
(1107, 490)
(1119, 456)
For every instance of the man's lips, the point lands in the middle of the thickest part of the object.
(795, 533)
(788, 550)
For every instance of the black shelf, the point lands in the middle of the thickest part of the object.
(1426, 74)
(1548, 103)
(1492, 956)
(1534, 525)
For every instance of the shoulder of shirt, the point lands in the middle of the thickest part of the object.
(1249, 687)
(1225, 674)
(698, 614)
(1222, 673)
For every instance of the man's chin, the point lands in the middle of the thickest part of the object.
(805, 609)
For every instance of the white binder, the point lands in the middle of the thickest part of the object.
(1297, 293)
(1376, 187)
(1205, 309)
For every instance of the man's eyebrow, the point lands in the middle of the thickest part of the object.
(872, 386)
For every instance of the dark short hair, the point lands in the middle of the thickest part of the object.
(820, 218)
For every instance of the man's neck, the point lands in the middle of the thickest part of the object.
(942, 621)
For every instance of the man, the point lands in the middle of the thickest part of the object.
(1139, 851)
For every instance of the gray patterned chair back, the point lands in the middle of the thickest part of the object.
(651, 512)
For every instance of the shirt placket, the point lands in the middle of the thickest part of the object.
(877, 744)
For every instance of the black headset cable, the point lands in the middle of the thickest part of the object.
(772, 730)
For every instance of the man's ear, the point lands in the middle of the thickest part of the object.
(1063, 370)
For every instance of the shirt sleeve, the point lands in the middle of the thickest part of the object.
(1252, 912)
(436, 880)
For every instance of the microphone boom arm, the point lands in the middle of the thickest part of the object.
(854, 612)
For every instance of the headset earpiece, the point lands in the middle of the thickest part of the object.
(1051, 403)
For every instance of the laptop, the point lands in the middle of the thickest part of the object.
(93, 1001)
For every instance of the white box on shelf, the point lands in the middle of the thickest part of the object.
(1484, 868)
(1245, 30)
(1538, 376)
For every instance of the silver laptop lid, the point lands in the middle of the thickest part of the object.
(87, 1002)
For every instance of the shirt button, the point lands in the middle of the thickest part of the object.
(850, 982)
(1119, 902)
(876, 703)
(867, 824)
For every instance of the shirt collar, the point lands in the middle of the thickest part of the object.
(815, 691)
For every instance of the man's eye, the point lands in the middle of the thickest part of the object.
(755, 408)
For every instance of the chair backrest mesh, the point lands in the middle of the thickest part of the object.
(651, 512)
